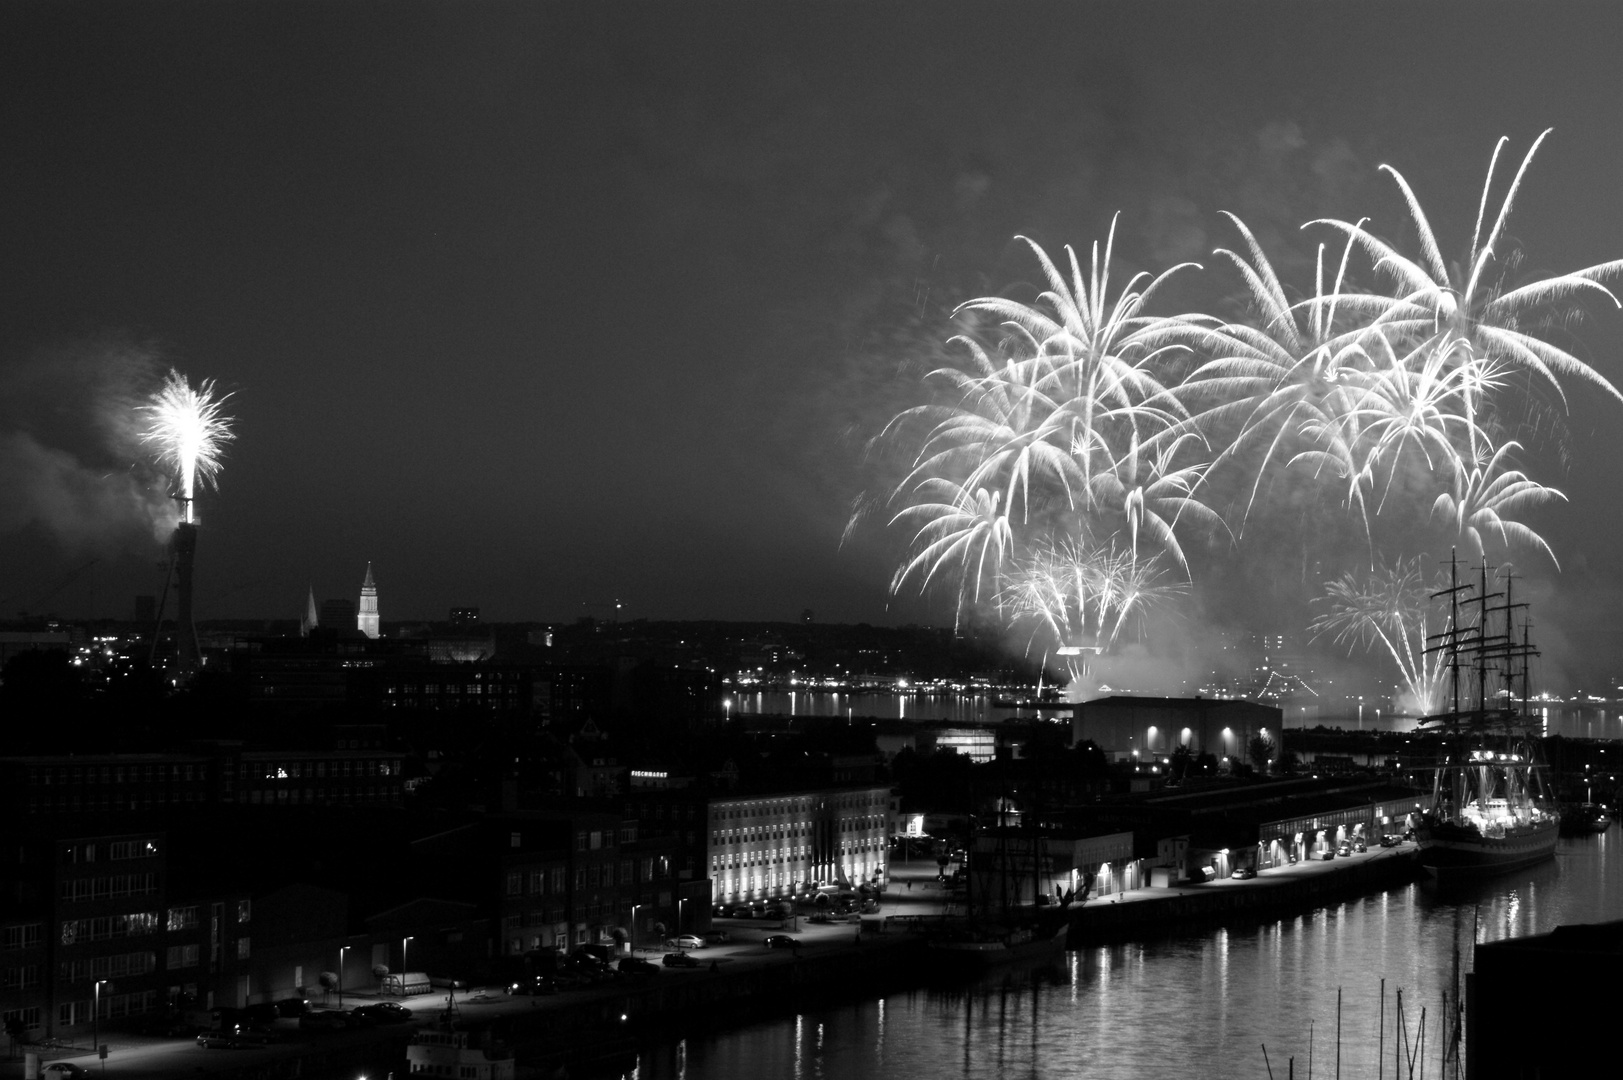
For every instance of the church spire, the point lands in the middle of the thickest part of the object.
(310, 621)
(366, 619)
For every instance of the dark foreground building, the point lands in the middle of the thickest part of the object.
(1544, 1005)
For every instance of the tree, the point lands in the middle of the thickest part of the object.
(15, 1031)
(1261, 751)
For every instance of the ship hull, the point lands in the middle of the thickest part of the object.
(982, 954)
(1450, 853)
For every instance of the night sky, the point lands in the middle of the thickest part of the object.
(541, 306)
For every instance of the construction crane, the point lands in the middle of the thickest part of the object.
(63, 582)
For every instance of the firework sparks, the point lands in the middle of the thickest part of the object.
(188, 431)
(1055, 470)
(1392, 606)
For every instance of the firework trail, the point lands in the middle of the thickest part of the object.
(1077, 442)
(1393, 607)
(188, 431)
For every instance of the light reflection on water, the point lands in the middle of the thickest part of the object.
(1189, 1003)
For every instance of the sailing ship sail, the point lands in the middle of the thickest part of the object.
(1491, 810)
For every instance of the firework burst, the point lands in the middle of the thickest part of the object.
(1391, 607)
(1054, 474)
(188, 432)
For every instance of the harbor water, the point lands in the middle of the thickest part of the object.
(1571, 719)
(1188, 1001)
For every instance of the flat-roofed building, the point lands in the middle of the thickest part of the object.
(1122, 725)
(779, 844)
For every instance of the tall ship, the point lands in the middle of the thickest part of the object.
(1491, 809)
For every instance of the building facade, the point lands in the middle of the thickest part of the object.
(767, 846)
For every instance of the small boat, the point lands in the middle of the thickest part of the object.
(1581, 819)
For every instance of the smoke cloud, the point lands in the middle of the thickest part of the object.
(70, 455)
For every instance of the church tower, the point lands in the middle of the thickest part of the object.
(310, 621)
(366, 619)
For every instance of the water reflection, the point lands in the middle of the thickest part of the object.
(1191, 1002)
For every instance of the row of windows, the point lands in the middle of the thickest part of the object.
(28, 1018)
(552, 881)
(109, 967)
(116, 850)
(23, 936)
(461, 1072)
(295, 770)
(131, 799)
(20, 977)
(114, 885)
(113, 1006)
(344, 793)
(118, 774)
(104, 927)
(433, 689)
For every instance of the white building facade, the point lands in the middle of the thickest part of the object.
(778, 845)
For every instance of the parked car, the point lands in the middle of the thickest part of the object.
(684, 941)
(218, 1040)
(722, 910)
(1360, 845)
(262, 1037)
(820, 917)
(258, 1014)
(324, 1020)
(293, 1006)
(781, 941)
(63, 1070)
(536, 985)
(605, 953)
(1328, 854)
(383, 1012)
(1243, 873)
(1345, 849)
(636, 965)
(717, 937)
(680, 959)
(1390, 841)
(164, 1027)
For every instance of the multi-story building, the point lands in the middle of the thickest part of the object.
(554, 881)
(54, 786)
(40, 788)
(363, 777)
(779, 844)
(773, 843)
(89, 927)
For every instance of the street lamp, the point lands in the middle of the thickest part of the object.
(679, 902)
(634, 908)
(95, 1024)
(341, 950)
(404, 966)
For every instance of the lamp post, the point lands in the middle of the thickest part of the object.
(679, 902)
(341, 950)
(404, 967)
(634, 908)
(95, 1024)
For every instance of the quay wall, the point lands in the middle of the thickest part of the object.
(1102, 920)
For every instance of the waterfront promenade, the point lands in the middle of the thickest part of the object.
(739, 980)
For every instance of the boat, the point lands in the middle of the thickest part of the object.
(1491, 809)
(978, 949)
(1007, 918)
(1581, 819)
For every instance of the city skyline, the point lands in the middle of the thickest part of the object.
(548, 308)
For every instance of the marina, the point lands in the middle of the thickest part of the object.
(1183, 997)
